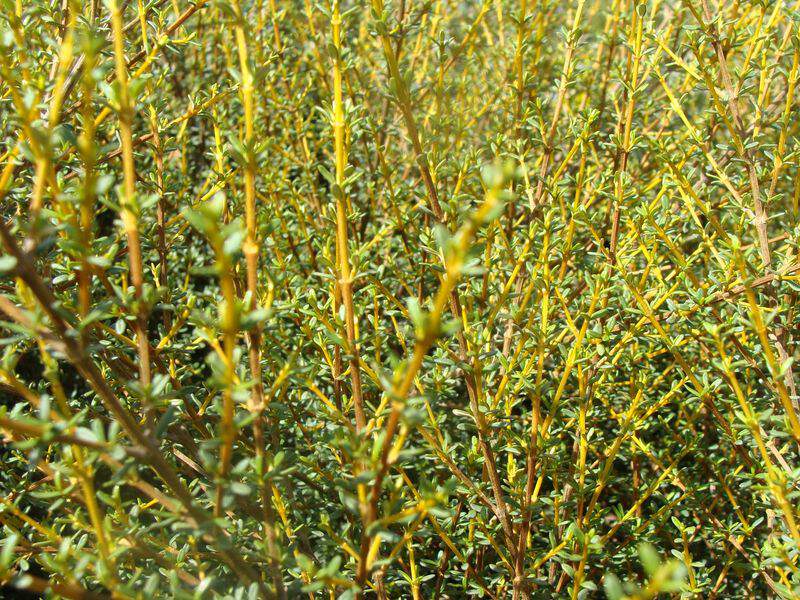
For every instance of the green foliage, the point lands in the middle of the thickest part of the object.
(429, 299)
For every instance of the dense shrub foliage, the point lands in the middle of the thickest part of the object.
(411, 299)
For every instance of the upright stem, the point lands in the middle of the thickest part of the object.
(86, 144)
(161, 240)
(250, 249)
(635, 38)
(453, 264)
(128, 210)
(230, 326)
(345, 275)
(404, 101)
(566, 74)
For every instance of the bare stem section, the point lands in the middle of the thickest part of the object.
(344, 270)
(251, 249)
(128, 205)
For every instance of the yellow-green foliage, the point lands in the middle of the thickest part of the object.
(414, 299)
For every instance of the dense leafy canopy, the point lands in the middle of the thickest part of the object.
(411, 299)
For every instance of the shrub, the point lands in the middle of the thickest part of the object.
(404, 300)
